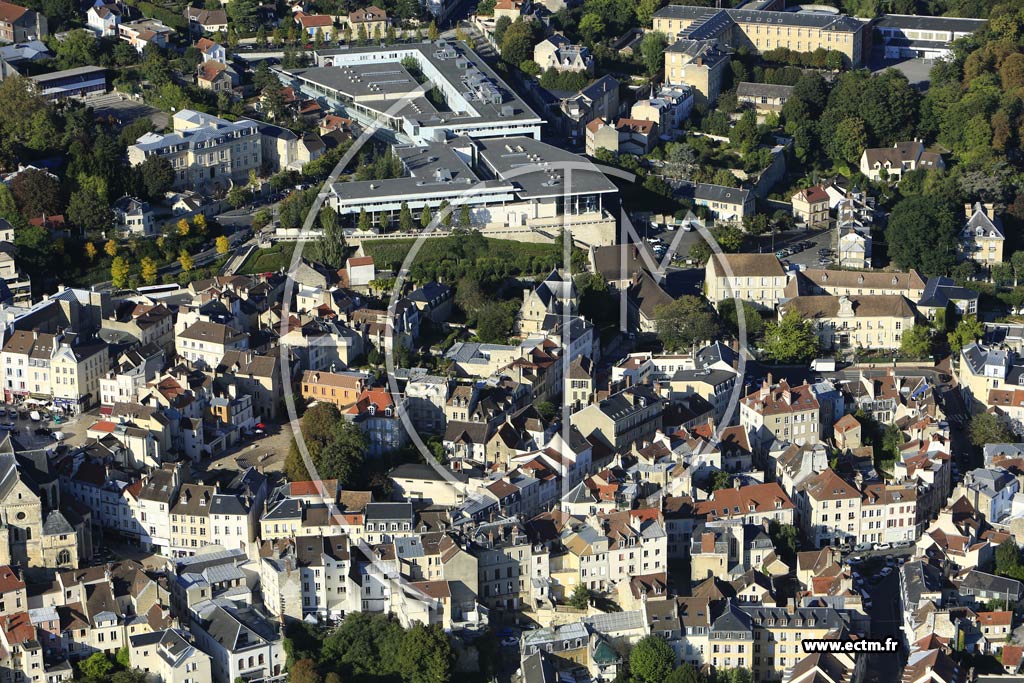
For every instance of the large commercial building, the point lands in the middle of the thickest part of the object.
(907, 35)
(375, 84)
(77, 82)
(511, 185)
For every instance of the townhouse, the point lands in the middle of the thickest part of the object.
(829, 509)
(778, 411)
(752, 504)
(862, 322)
(757, 278)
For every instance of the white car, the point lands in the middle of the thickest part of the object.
(883, 546)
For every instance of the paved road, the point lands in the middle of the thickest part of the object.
(886, 618)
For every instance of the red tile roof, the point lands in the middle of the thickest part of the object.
(9, 580)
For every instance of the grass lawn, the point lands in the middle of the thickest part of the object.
(271, 259)
(389, 254)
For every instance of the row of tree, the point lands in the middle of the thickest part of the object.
(369, 648)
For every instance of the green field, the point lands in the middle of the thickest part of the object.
(269, 260)
(448, 258)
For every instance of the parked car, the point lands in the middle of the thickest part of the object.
(883, 546)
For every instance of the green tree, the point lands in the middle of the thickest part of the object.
(9, 208)
(405, 222)
(425, 217)
(331, 245)
(238, 195)
(922, 234)
(700, 252)
(751, 317)
(784, 538)
(244, 14)
(119, 270)
(96, 668)
(791, 340)
(78, 48)
(652, 51)
(342, 458)
(720, 480)
(729, 238)
(684, 673)
(917, 342)
(986, 428)
(494, 323)
(684, 322)
(743, 136)
(156, 176)
(426, 655)
(848, 141)
(432, 32)
(517, 42)
(469, 296)
(500, 26)
(367, 645)
(580, 598)
(124, 657)
(968, 331)
(651, 660)
(22, 109)
(592, 28)
(645, 10)
(364, 223)
(128, 676)
(1002, 274)
(529, 67)
(1008, 561)
(316, 426)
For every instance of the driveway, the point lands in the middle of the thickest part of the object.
(917, 71)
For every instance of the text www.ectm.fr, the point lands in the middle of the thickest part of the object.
(812, 645)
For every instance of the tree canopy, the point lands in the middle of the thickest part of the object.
(791, 340)
(922, 234)
(684, 322)
(651, 660)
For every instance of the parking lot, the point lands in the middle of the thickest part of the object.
(124, 109)
(801, 247)
(34, 434)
